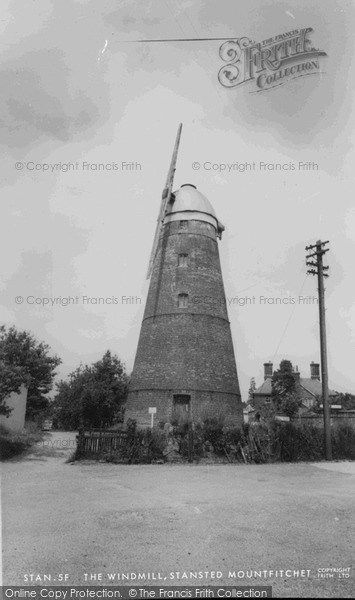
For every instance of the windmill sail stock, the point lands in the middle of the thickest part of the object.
(166, 195)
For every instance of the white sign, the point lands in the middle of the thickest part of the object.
(152, 410)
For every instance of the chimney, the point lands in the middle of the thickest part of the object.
(296, 373)
(315, 371)
(268, 370)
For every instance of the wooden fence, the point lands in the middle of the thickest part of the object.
(95, 442)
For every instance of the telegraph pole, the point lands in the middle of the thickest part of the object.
(317, 252)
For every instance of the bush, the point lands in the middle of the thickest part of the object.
(213, 433)
(259, 443)
(343, 442)
(306, 442)
(298, 443)
(289, 442)
(12, 444)
(143, 446)
(210, 439)
(10, 447)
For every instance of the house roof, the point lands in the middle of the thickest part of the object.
(265, 388)
(312, 386)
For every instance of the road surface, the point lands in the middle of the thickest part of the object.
(280, 525)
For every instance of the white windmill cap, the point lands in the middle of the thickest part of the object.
(189, 204)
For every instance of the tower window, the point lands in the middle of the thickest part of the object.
(183, 300)
(182, 260)
(183, 224)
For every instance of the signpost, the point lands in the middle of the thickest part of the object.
(152, 411)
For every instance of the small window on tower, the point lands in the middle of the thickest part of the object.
(183, 300)
(182, 260)
(183, 224)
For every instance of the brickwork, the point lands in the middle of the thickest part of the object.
(185, 347)
(204, 405)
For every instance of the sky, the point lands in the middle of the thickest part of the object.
(77, 87)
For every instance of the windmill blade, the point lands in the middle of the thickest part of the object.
(166, 195)
(170, 177)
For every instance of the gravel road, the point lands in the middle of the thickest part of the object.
(96, 518)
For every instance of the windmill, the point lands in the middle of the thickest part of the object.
(166, 197)
(185, 364)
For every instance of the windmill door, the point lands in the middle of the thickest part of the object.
(181, 408)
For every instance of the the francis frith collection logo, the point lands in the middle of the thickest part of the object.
(269, 63)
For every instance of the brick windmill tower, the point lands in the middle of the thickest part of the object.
(185, 366)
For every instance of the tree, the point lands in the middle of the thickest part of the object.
(24, 360)
(11, 379)
(347, 401)
(93, 396)
(283, 380)
(252, 388)
(289, 404)
(283, 390)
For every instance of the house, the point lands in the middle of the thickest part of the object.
(17, 402)
(308, 389)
